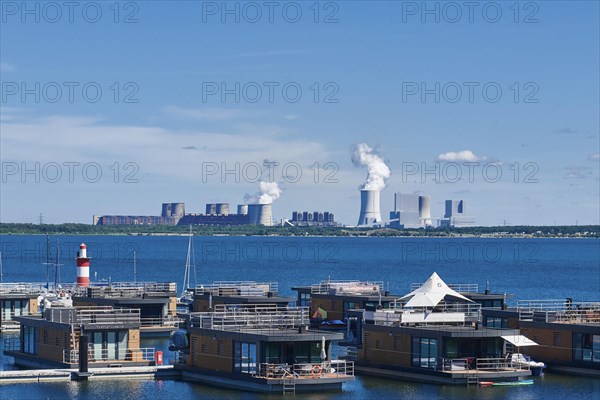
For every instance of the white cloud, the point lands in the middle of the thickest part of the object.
(158, 151)
(465, 155)
(577, 172)
(594, 157)
(209, 113)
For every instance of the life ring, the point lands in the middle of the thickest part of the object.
(316, 371)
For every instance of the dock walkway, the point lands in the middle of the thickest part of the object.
(53, 375)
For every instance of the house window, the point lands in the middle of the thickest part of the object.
(350, 305)
(424, 352)
(586, 347)
(304, 299)
(109, 345)
(30, 340)
(496, 322)
(244, 359)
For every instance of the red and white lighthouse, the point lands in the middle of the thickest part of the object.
(83, 266)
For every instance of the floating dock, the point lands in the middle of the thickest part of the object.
(53, 375)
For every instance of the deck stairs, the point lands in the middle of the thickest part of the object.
(289, 386)
(473, 379)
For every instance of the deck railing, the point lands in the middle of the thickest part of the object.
(565, 311)
(347, 287)
(12, 344)
(162, 322)
(238, 288)
(92, 315)
(459, 287)
(325, 369)
(481, 364)
(243, 319)
(105, 356)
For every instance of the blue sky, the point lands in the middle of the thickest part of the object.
(366, 59)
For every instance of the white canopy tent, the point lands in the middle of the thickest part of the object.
(431, 293)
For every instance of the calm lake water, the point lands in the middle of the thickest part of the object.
(521, 268)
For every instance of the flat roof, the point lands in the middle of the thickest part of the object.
(446, 330)
(273, 335)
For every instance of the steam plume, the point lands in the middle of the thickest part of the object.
(268, 193)
(377, 171)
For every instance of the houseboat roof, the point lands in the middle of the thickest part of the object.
(89, 317)
(467, 331)
(564, 311)
(238, 288)
(431, 293)
(270, 321)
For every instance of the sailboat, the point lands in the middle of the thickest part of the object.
(56, 297)
(187, 294)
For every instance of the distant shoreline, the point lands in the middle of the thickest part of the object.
(497, 232)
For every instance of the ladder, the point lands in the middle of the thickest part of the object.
(473, 379)
(289, 386)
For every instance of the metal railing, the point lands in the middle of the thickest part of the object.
(459, 287)
(238, 288)
(246, 319)
(22, 313)
(161, 321)
(347, 287)
(480, 364)
(565, 311)
(105, 355)
(321, 370)
(39, 288)
(12, 344)
(92, 315)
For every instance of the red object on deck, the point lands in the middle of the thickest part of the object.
(158, 357)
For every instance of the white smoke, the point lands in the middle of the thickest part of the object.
(377, 171)
(268, 193)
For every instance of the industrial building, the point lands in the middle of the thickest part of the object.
(315, 218)
(216, 214)
(410, 211)
(455, 215)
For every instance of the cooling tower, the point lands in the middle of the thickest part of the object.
(222, 208)
(177, 209)
(369, 207)
(166, 210)
(242, 209)
(211, 209)
(425, 210)
(260, 214)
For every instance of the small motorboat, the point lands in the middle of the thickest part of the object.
(514, 383)
(521, 360)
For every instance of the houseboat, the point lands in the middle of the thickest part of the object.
(567, 331)
(17, 299)
(156, 301)
(265, 348)
(434, 334)
(207, 296)
(52, 340)
(332, 300)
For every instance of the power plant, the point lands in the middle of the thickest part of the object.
(410, 211)
(216, 214)
(370, 212)
(456, 216)
(315, 218)
(260, 214)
